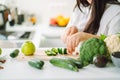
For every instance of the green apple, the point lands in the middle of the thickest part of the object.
(28, 48)
(0, 51)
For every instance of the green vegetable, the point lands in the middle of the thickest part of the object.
(36, 63)
(55, 51)
(60, 50)
(76, 62)
(65, 51)
(102, 37)
(63, 63)
(91, 48)
(14, 53)
(50, 53)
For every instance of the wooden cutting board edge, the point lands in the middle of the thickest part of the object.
(40, 54)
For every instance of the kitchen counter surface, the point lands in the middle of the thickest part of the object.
(20, 70)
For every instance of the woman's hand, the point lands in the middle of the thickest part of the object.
(69, 31)
(75, 39)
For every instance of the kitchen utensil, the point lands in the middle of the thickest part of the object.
(116, 59)
(4, 11)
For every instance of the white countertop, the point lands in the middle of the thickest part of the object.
(20, 70)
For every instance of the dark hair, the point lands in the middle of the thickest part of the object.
(98, 8)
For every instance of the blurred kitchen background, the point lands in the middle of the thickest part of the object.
(41, 21)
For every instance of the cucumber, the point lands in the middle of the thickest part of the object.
(74, 61)
(62, 63)
(54, 50)
(60, 50)
(14, 53)
(36, 63)
(65, 51)
(50, 53)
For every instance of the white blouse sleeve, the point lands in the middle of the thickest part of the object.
(114, 25)
(79, 19)
(73, 19)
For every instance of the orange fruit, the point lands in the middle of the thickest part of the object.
(62, 22)
(67, 19)
(59, 17)
(33, 20)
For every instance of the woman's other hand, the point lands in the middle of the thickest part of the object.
(73, 40)
(69, 31)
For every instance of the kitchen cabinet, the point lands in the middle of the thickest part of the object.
(20, 70)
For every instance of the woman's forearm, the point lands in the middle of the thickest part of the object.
(85, 36)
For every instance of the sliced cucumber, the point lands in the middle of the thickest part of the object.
(60, 50)
(50, 53)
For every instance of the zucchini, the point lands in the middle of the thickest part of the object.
(14, 53)
(36, 63)
(62, 63)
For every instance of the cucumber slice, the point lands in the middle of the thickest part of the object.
(50, 53)
(60, 50)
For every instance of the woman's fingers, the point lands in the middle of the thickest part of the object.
(71, 44)
(66, 34)
(73, 30)
(69, 31)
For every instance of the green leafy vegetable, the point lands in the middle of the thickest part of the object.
(102, 37)
(91, 48)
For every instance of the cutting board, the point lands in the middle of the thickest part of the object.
(40, 54)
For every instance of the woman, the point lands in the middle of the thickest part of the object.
(90, 19)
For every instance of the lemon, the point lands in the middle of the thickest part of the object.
(28, 48)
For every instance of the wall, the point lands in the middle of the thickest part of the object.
(44, 9)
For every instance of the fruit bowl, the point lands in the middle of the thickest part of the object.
(60, 21)
(116, 59)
